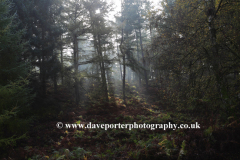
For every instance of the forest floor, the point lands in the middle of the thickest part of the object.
(46, 141)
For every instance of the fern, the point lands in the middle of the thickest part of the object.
(11, 141)
(182, 150)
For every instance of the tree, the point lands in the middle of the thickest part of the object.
(194, 57)
(131, 24)
(40, 18)
(15, 96)
(74, 19)
(101, 33)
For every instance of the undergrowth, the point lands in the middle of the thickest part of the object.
(213, 140)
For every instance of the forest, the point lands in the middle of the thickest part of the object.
(119, 80)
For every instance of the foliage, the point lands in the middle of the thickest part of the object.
(15, 97)
(43, 30)
(196, 55)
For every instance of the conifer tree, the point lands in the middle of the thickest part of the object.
(15, 95)
(131, 38)
(101, 32)
(43, 31)
(74, 18)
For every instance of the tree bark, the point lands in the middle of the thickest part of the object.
(124, 69)
(62, 64)
(144, 63)
(138, 57)
(42, 67)
(120, 66)
(103, 75)
(215, 58)
(75, 52)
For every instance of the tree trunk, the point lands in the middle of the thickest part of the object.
(75, 52)
(43, 68)
(55, 83)
(62, 64)
(215, 58)
(119, 64)
(144, 63)
(102, 67)
(124, 74)
(138, 57)
(124, 69)
(124, 66)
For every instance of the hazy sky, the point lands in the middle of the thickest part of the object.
(117, 6)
